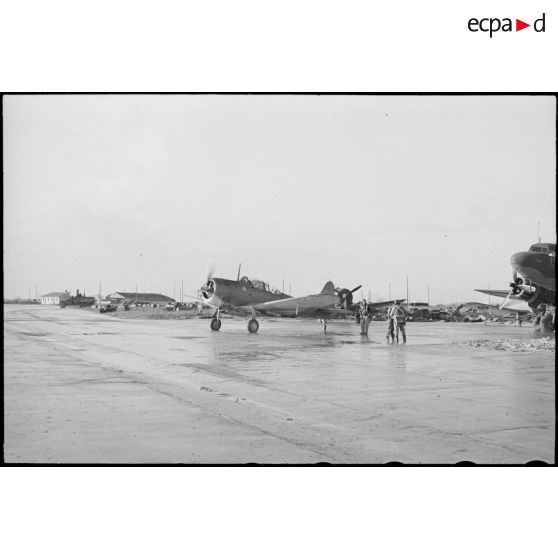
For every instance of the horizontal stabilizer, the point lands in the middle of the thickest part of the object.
(328, 289)
(501, 294)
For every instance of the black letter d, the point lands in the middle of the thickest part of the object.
(541, 30)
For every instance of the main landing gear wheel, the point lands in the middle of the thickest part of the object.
(215, 324)
(253, 325)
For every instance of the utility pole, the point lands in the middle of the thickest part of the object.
(289, 289)
(182, 291)
(174, 290)
(407, 293)
(428, 294)
(539, 231)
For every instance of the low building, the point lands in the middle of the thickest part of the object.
(54, 298)
(139, 299)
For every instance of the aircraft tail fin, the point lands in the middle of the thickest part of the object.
(328, 288)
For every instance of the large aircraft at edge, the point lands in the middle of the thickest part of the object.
(534, 281)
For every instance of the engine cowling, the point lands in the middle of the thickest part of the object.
(345, 298)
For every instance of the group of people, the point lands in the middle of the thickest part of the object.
(396, 320)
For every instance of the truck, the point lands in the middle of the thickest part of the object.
(78, 301)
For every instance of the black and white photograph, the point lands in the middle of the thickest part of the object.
(279, 279)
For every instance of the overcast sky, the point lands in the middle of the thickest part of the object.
(143, 190)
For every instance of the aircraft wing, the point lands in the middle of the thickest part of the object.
(384, 303)
(320, 305)
(501, 294)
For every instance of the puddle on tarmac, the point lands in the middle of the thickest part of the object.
(196, 366)
(31, 334)
(188, 337)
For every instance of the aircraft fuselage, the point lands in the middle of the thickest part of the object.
(245, 292)
(535, 274)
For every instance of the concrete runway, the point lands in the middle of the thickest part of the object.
(82, 387)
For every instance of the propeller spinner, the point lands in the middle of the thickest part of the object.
(208, 287)
(346, 296)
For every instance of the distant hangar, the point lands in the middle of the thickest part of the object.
(139, 299)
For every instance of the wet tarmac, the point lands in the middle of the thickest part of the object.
(81, 387)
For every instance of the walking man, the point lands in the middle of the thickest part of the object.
(400, 319)
(390, 335)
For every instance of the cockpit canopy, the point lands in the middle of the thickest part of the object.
(258, 284)
(544, 248)
(255, 283)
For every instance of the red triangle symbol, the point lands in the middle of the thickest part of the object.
(519, 25)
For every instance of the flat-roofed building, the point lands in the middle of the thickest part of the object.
(141, 299)
(55, 297)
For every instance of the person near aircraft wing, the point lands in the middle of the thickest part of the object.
(365, 317)
(399, 321)
(390, 335)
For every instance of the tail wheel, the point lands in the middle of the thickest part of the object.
(215, 324)
(253, 326)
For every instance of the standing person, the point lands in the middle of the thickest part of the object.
(400, 319)
(390, 335)
(365, 317)
(357, 315)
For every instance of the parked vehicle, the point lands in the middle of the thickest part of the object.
(79, 301)
(107, 308)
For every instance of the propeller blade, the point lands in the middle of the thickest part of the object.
(506, 301)
(210, 269)
(356, 289)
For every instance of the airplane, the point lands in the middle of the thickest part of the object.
(477, 311)
(252, 296)
(534, 281)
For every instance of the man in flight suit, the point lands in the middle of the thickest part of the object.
(400, 319)
(365, 317)
(390, 335)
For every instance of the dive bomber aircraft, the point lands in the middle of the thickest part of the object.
(253, 297)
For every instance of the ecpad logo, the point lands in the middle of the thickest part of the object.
(493, 25)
